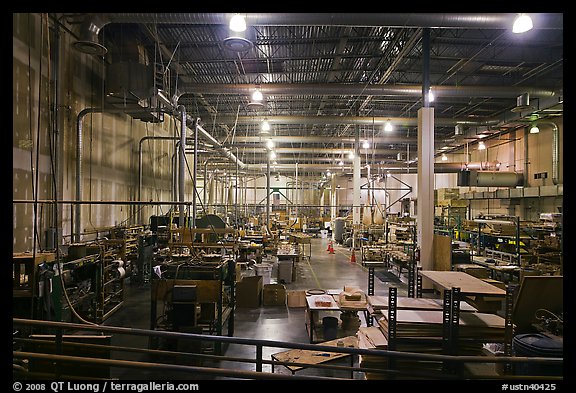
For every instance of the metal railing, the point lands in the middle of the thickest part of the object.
(22, 354)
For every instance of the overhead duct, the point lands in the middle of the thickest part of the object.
(130, 80)
(359, 120)
(523, 103)
(361, 89)
(93, 23)
(89, 42)
(440, 167)
(458, 130)
(432, 20)
(225, 152)
(476, 178)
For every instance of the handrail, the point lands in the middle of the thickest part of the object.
(258, 360)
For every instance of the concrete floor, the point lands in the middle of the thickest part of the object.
(322, 270)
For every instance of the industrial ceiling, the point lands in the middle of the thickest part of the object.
(330, 79)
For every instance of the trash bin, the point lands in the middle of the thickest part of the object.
(330, 325)
(264, 270)
(537, 345)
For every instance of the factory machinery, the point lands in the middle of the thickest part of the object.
(84, 283)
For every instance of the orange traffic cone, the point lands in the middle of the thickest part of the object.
(331, 248)
(353, 257)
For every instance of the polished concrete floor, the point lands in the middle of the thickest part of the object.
(322, 270)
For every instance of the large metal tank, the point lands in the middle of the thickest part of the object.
(339, 224)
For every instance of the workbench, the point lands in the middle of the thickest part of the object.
(503, 271)
(313, 309)
(484, 296)
(312, 357)
(290, 257)
(301, 240)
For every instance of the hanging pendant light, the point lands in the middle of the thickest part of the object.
(522, 24)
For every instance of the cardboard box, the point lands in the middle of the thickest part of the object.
(296, 298)
(249, 292)
(274, 295)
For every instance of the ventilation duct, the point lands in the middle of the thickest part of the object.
(130, 77)
(458, 130)
(89, 29)
(523, 103)
(489, 179)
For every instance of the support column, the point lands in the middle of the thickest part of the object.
(333, 203)
(356, 189)
(267, 194)
(425, 213)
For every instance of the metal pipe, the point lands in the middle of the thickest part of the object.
(79, 157)
(140, 162)
(218, 146)
(555, 150)
(296, 194)
(268, 195)
(278, 344)
(359, 120)
(160, 366)
(408, 20)
(116, 202)
(363, 89)
(439, 167)
(526, 162)
(204, 191)
(195, 173)
(236, 201)
(197, 127)
(182, 165)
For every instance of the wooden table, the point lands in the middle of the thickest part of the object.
(312, 309)
(301, 239)
(313, 357)
(477, 290)
(469, 285)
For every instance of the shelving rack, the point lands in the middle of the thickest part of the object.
(214, 292)
(450, 326)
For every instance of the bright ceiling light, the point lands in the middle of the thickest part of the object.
(444, 157)
(430, 96)
(272, 155)
(365, 144)
(257, 95)
(237, 23)
(341, 163)
(270, 144)
(351, 155)
(481, 145)
(388, 127)
(534, 129)
(522, 24)
(265, 127)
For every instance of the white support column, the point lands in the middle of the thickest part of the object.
(425, 216)
(333, 202)
(356, 192)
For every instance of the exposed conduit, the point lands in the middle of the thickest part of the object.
(555, 150)
(79, 159)
(362, 89)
